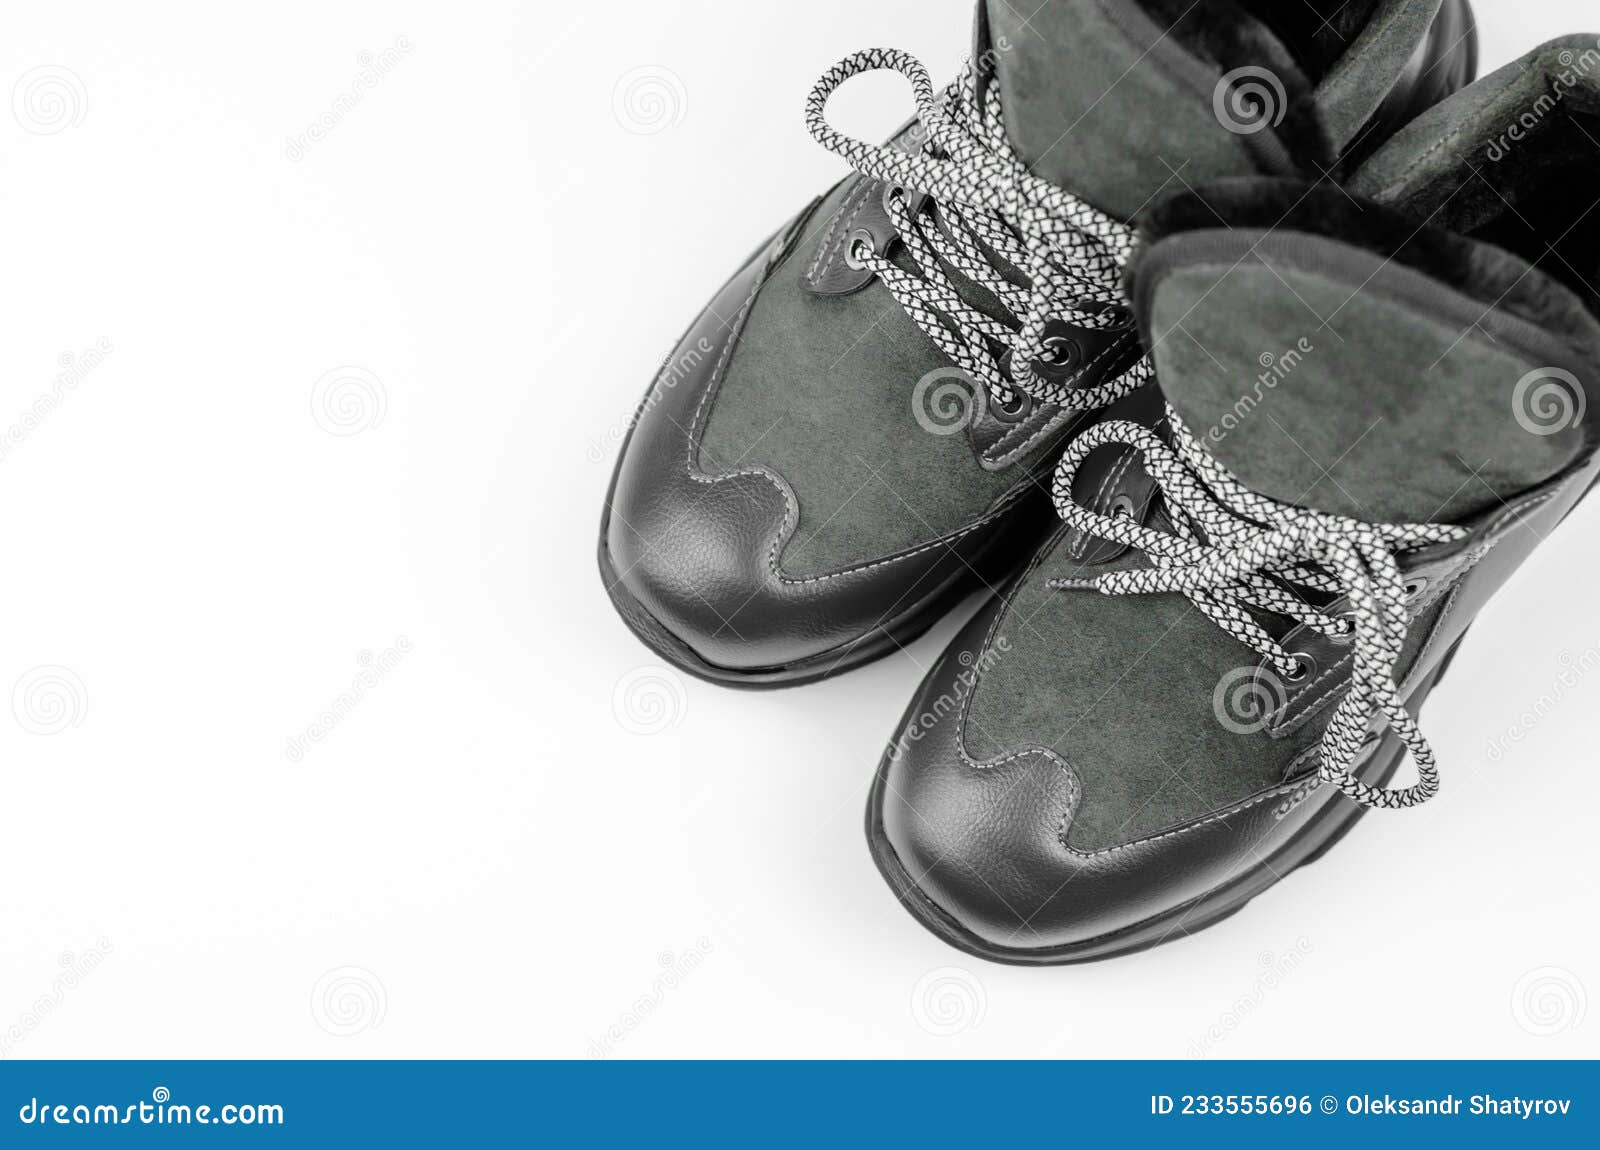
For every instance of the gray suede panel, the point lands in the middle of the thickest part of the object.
(1124, 689)
(1121, 688)
(1424, 165)
(1395, 414)
(1130, 108)
(1356, 86)
(819, 390)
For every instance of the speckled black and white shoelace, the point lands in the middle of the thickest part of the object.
(1231, 548)
(991, 207)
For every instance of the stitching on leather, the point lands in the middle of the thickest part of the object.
(1305, 701)
(828, 247)
(1266, 797)
(1296, 711)
(1068, 772)
(1112, 477)
(1292, 771)
(1081, 544)
(1438, 627)
(827, 240)
(791, 505)
(1074, 783)
(943, 541)
(735, 329)
(1042, 417)
(1022, 448)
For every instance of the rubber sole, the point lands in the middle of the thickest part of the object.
(1315, 839)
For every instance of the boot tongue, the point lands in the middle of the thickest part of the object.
(1418, 377)
(1116, 99)
(1100, 100)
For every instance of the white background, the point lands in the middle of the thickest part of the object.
(481, 857)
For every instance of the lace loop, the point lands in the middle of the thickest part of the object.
(991, 209)
(1233, 551)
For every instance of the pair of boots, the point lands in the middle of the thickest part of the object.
(1240, 349)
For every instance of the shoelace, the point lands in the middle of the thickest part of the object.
(1232, 548)
(991, 206)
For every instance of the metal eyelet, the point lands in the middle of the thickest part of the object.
(1415, 586)
(1124, 319)
(1121, 507)
(1305, 667)
(1344, 629)
(915, 203)
(1015, 411)
(860, 238)
(1060, 353)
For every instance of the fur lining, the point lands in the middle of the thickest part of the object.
(1493, 276)
(1318, 32)
(1222, 33)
